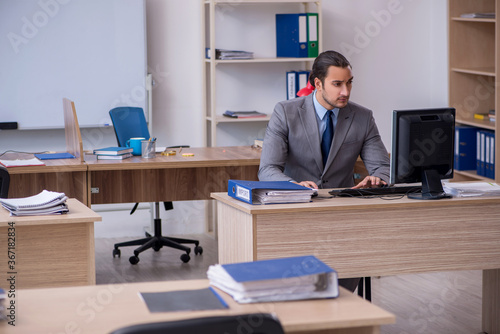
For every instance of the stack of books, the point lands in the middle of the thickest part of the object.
(113, 153)
(46, 202)
(292, 278)
(243, 114)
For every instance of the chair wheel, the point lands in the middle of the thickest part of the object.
(117, 252)
(156, 248)
(133, 260)
(198, 250)
(185, 258)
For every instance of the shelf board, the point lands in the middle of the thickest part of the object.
(259, 60)
(489, 125)
(473, 174)
(223, 119)
(242, 2)
(487, 71)
(463, 19)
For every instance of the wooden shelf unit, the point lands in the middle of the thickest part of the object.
(474, 67)
(214, 104)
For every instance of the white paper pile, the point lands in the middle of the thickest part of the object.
(46, 202)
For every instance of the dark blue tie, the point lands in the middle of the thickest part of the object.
(326, 141)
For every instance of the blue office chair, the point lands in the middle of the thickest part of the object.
(130, 122)
(256, 323)
(4, 182)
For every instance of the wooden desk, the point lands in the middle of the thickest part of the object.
(170, 178)
(62, 175)
(372, 237)
(50, 250)
(103, 308)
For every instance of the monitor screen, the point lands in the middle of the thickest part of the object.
(423, 149)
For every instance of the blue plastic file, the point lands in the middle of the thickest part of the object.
(465, 147)
(291, 35)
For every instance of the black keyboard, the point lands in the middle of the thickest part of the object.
(372, 192)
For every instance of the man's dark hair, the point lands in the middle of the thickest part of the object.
(323, 62)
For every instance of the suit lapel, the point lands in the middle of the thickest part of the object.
(344, 122)
(307, 116)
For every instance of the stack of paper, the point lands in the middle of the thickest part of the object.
(243, 114)
(229, 54)
(21, 162)
(46, 202)
(470, 189)
(293, 278)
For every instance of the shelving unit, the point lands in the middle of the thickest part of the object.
(474, 66)
(253, 84)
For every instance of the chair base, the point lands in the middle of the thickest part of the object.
(157, 241)
(367, 293)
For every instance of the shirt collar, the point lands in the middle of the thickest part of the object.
(320, 110)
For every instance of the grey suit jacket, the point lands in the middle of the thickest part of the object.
(291, 150)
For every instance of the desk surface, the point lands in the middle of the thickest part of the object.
(102, 308)
(170, 178)
(78, 213)
(325, 202)
(203, 157)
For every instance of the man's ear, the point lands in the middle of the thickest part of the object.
(317, 84)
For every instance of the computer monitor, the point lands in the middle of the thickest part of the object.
(423, 149)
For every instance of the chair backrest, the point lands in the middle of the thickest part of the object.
(129, 122)
(255, 323)
(4, 182)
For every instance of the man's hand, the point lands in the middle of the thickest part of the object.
(370, 182)
(309, 184)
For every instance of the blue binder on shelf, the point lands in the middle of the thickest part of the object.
(295, 81)
(490, 155)
(291, 35)
(249, 191)
(465, 147)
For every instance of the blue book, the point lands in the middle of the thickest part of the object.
(269, 192)
(291, 35)
(291, 278)
(49, 156)
(465, 147)
(113, 150)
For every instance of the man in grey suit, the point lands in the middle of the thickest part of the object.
(315, 140)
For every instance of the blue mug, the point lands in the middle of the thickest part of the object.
(135, 144)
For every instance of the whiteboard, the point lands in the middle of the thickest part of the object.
(92, 52)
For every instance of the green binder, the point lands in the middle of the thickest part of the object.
(312, 35)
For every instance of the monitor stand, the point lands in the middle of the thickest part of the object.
(432, 187)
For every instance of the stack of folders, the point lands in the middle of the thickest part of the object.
(243, 114)
(269, 192)
(113, 153)
(46, 202)
(292, 278)
(223, 54)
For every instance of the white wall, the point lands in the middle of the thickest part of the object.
(401, 63)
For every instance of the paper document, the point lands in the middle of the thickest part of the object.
(469, 189)
(21, 162)
(46, 202)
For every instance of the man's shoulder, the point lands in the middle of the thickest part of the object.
(298, 102)
(355, 107)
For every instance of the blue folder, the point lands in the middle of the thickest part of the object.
(243, 190)
(48, 156)
(291, 35)
(465, 147)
